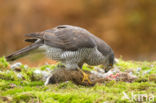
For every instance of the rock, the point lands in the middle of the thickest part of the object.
(138, 69)
(20, 76)
(16, 65)
(147, 72)
(40, 74)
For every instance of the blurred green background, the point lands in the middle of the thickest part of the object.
(128, 26)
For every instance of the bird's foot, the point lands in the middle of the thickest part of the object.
(85, 77)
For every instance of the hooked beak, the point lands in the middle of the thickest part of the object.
(108, 68)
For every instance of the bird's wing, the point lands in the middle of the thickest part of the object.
(68, 38)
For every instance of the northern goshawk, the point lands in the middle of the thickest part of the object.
(71, 45)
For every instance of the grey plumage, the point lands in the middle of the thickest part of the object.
(24, 51)
(71, 45)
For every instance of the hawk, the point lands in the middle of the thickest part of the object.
(71, 45)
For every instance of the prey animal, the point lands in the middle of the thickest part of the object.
(71, 45)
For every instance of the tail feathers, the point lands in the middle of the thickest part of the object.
(31, 40)
(35, 35)
(23, 52)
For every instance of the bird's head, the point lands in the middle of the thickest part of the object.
(107, 68)
(110, 62)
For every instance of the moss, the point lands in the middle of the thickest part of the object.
(3, 63)
(28, 90)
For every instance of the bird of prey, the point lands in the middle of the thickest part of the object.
(71, 45)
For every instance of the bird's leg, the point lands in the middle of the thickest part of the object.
(85, 76)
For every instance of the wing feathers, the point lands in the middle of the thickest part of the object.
(24, 51)
(68, 38)
(65, 37)
(35, 35)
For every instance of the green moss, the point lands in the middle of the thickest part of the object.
(3, 63)
(28, 90)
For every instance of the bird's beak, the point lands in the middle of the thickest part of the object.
(108, 68)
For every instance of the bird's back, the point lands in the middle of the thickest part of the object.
(76, 45)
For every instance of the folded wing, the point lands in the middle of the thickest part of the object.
(68, 38)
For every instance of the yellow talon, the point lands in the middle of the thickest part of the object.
(85, 77)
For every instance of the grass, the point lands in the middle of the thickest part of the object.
(32, 90)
